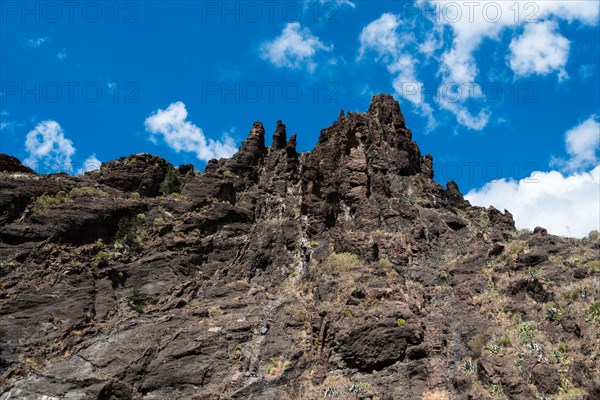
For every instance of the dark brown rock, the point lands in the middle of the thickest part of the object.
(530, 259)
(12, 164)
(142, 173)
(546, 378)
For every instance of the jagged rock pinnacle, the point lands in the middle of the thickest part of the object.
(385, 109)
(279, 137)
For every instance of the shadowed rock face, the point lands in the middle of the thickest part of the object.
(342, 272)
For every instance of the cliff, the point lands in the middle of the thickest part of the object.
(343, 272)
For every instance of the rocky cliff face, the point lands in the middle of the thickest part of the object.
(345, 272)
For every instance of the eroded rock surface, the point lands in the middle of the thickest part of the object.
(344, 272)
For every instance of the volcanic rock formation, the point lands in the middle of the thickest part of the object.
(344, 272)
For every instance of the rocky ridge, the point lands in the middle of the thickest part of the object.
(344, 272)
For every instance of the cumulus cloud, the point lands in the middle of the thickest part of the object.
(564, 203)
(381, 37)
(539, 50)
(47, 146)
(389, 46)
(295, 48)
(582, 143)
(182, 135)
(90, 164)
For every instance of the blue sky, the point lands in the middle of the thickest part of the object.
(495, 91)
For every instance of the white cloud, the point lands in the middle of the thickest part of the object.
(36, 42)
(10, 126)
(182, 135)
(62, 55)
(339, 3)
(582, 143)
(342, 2)
(565, 205)
(90, 164)
(586, 71)
(6, 124)
(48, 146)
(295, 48)
(539, 50)
(382, 38)
(584, 11)
(470, 23)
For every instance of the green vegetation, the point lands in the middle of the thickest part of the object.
(400, 322)
(594, 311)
(526, 331)
(345, 313)
(495, 349)
(102, 258)
(385, 263)
(36, 362)
(215, 311)
(375, 302)
(553, 312)
(361, 387)
(89, 316)
(504, 341)
(594, 265)
(2, 334)
(531, 274)
(572, 394)
(468, 365)
(52, 200)
(137, 300)
(271, 365)
(339, 262)
(275, 366)
(573, 294)
(514, 248)
(498, 390)
(48, 200)
(560, 355)
(594, 235)
(171, 182)
(228, 174)
(130, 232)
